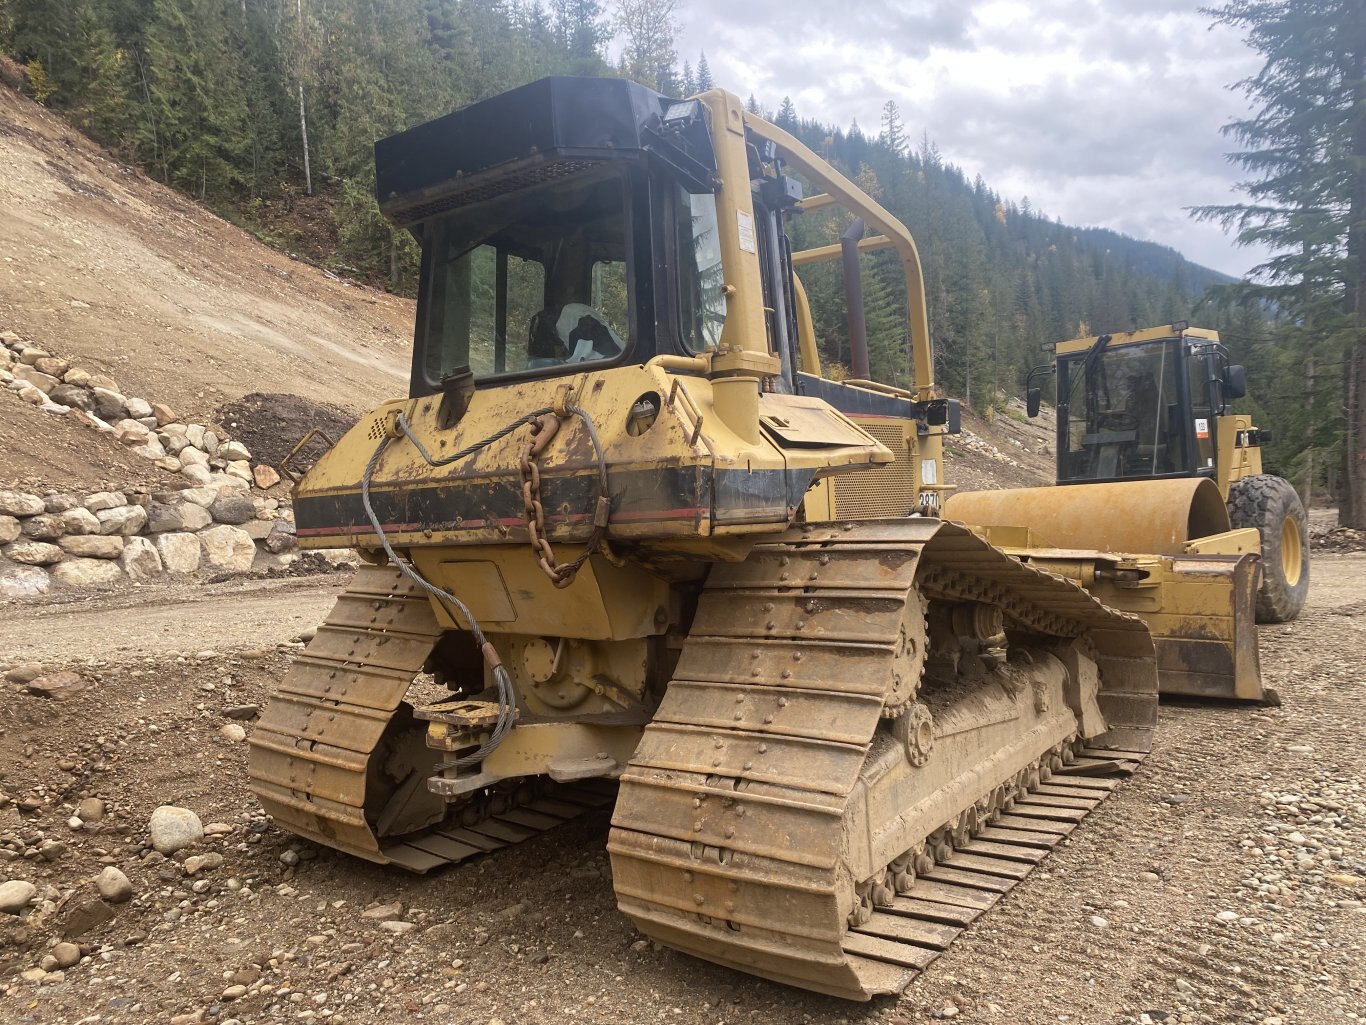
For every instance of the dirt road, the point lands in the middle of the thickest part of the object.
(169, 618)
(1223, 883)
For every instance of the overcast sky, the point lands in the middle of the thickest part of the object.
(1102, 112)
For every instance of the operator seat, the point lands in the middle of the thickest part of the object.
(572, 333)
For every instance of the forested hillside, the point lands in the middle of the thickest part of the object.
(266, 110)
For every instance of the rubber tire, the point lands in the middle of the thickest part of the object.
(1270, 504)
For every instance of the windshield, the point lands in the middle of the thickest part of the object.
(534, 282)
(1123, 419)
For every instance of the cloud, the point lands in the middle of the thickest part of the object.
(1103, 112)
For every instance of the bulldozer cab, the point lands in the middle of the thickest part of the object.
(558, 242)
(1148, 404)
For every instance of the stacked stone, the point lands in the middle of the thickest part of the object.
(110, 537)
(214, 523)
(200, 454)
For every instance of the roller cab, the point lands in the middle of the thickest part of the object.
(1154, 405)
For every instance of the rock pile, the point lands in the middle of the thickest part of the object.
(214, 522)
(201, 454)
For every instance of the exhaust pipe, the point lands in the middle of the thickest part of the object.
(853, 300)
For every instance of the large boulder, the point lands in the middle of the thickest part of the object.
(179, 552)
(110, 406)
(191, 456)
(228, 548)
(88, 573)
(140, 560)
(281, 538)
(106, 382)
(80, 521)
(131, 433)
(239, 468)
(101, 500)
(33, 553)
(15, 895)
(232, 507)
(174, 829)
(197, 475)
(165, 414)
(78, 376)
(9, 529)
(138, 408)
(231, 450)
(162, 518)
(19, 503)
(126, 520)
(23, 581)
(151, 448)
(71, 395)
(53, 366)
(43, 382)
(199, 496)
(44, 527)
(60, 501)
(61, 686)
(93, 546)
(195, 517)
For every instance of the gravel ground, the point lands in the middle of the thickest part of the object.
(1222, 884)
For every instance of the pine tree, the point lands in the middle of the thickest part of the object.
(704, 79)
(893, 135)
(787, 115)
(580, 28)
(1305, 149)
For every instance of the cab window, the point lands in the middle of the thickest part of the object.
(539, 281)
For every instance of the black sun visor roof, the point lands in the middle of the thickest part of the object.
(550, 129)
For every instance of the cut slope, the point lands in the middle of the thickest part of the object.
(107, 267)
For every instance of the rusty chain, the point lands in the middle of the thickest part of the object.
(543, 430)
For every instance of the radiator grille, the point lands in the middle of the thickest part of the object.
(884, 491)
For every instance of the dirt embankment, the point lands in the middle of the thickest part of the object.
(122, 274)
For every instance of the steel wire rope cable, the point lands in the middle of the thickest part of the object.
(507, 701)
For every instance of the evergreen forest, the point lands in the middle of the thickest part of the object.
(266, 111)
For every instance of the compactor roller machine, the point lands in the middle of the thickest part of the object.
(626, 545)
(1166, 512)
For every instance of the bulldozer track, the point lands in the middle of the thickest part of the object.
(315, 753)
(747, 792)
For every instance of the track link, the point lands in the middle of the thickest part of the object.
(337, 759)
(753, 826)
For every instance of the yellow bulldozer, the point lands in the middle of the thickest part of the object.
(626, 545)
(1164, 488)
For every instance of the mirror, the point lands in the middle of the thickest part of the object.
(1032, 399)
(1235, 382)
